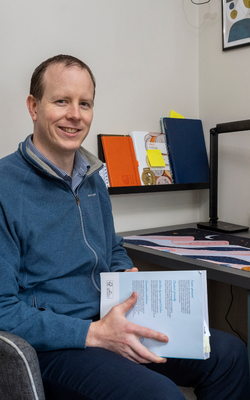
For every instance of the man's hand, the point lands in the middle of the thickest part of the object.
(134, 269)
(114, 332)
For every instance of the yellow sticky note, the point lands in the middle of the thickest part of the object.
(155, 158)
(174, 114)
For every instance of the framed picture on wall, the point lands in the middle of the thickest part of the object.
(235, 23)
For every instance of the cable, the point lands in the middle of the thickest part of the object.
(196, 27)
(200, 4)
(232, 298)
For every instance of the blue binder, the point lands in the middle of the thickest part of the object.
(187, 149)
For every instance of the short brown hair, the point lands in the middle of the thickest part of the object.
(37, 84)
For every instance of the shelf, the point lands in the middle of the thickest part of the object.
(157, 188)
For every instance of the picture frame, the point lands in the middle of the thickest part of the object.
(235, 23)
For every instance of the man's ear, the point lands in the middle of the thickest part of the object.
(32, 107)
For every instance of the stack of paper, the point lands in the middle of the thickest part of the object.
(171, 302)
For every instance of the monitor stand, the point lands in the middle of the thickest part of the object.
(220, 226)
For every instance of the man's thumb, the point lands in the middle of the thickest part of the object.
(129, 303)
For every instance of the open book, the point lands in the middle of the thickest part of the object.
(170, 302)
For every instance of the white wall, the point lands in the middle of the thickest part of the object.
(144, 55)
(225, 97)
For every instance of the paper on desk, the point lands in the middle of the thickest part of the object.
(171, 302)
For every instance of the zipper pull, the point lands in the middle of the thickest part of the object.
(77, 200)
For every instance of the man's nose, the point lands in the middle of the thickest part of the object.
(74, 112)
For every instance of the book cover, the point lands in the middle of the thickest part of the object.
(99, 144)
(186, 149)
(144, 141)
(170, 302)
(120, 160)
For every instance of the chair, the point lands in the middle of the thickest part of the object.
(188, 393)
(20, 376)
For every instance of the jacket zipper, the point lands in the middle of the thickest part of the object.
(80, 212)
(88, 245)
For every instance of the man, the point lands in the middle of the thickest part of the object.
(57, 235)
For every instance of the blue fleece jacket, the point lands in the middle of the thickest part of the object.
(53, 246)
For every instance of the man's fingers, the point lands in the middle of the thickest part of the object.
(128, 304)
(144, 356)
(118, 334)
(134, 269)
(150, 334)
(138, 353)
(139, 330)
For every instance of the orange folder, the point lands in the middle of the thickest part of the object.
(121, 161)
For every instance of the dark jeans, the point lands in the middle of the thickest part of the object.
(99, 374)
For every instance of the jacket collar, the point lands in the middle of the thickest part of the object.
(94, 162)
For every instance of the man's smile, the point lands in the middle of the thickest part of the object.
(69, 130)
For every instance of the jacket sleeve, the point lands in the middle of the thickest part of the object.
(120, 259)
(43, 329)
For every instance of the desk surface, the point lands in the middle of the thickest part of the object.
(217, 272)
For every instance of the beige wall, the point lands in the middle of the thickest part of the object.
(148, 57)
(224, 96)
(144, 55)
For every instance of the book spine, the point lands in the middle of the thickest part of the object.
(164, 130)
(135, 162)
(137, 155)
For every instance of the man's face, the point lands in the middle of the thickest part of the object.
(63, 117)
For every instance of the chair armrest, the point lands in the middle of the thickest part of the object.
(20, 376)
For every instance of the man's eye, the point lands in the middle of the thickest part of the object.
(84, 104)
(60, 101)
